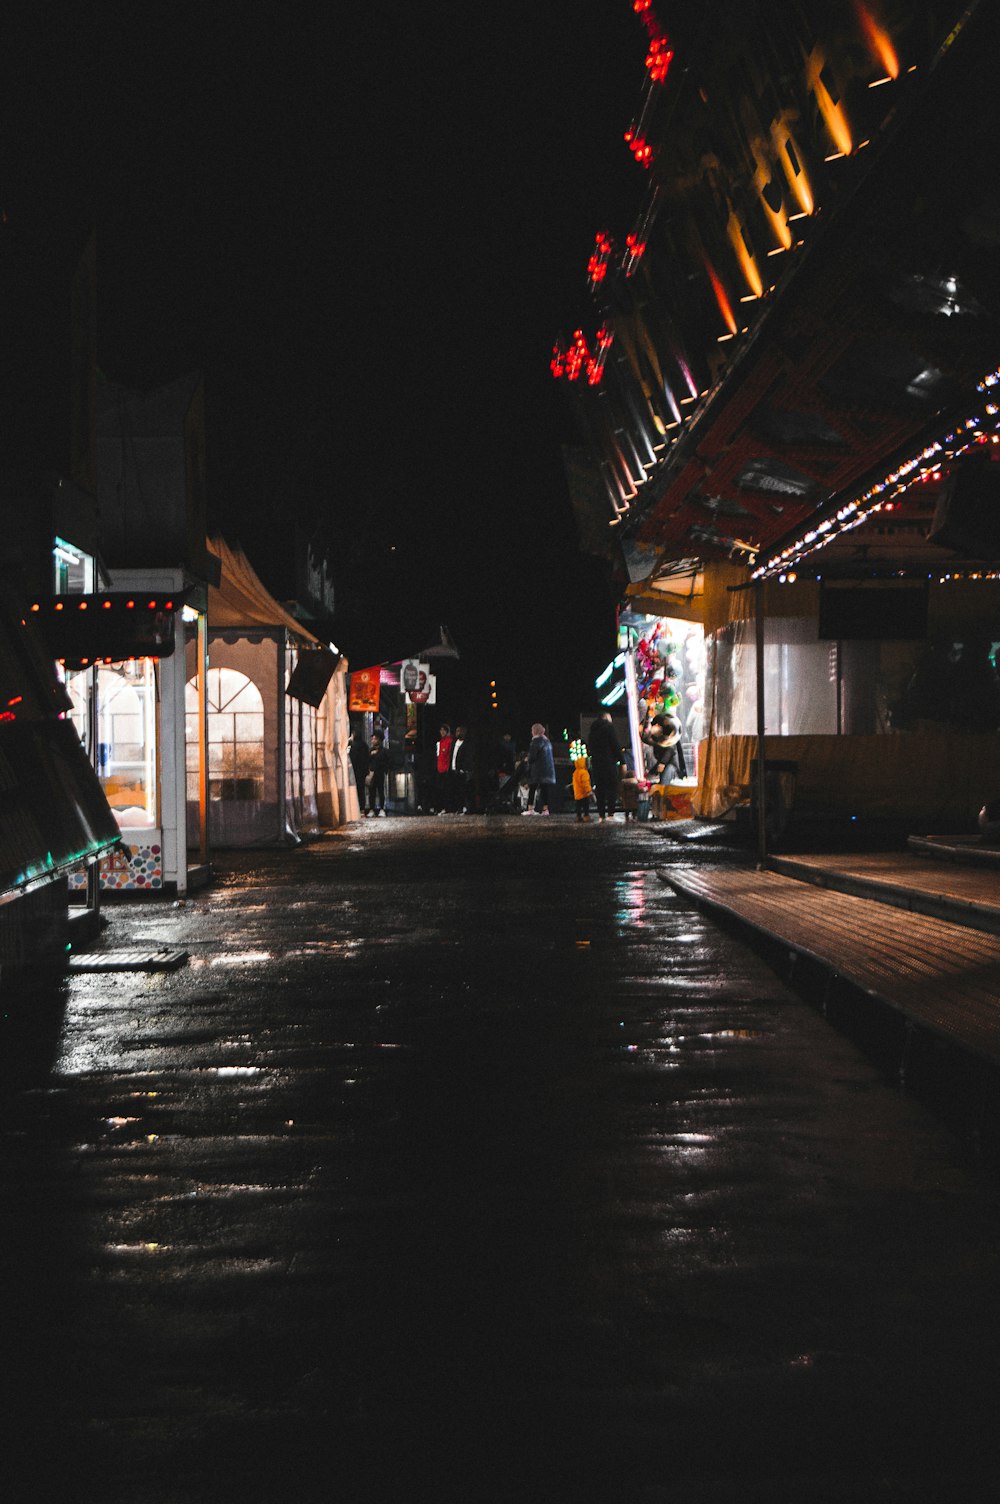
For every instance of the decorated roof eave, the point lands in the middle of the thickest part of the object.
(948, 435)
(670, 510)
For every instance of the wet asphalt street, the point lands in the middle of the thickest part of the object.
(464, 1161)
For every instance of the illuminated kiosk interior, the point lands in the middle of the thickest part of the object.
(124, 711)
(659, 669)
(130, 717)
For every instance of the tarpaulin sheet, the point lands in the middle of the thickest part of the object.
(53, 813)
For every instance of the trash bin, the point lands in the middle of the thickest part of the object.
(642, 809)
(780, 779)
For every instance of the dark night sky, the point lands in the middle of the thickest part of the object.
(366, 227)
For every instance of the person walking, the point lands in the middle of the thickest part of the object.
(541, 770)
(361, 760)
(605, 755)
(376, 776)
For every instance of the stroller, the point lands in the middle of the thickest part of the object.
(509, 796)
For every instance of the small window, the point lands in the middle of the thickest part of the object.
(235, 735)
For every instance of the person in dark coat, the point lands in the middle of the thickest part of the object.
(376, 776)
(605, 756)
(668, 754)
(506, 756)
(361, 761)
(462, 763)
(541, 771)
(424, 777)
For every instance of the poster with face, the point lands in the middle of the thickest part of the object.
(413, 676)
(425, 692)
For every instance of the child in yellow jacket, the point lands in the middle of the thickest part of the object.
(582, 789)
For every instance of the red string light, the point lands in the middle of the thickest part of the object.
(635, 249)
(660, 54)
(597, 266)
(576, 356)
(639, 147)
(595, 363)
(578, 360)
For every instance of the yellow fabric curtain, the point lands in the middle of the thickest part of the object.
(939, 781)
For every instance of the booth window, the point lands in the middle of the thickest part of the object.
(235, 736)
(74, 571)
(79, 686)
(126, 740)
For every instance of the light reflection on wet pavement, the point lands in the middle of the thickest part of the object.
(465, 1161)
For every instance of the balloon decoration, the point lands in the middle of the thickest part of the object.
(658, 669)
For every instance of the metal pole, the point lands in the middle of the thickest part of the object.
(761, 778)
(632, 701)
(201, 651)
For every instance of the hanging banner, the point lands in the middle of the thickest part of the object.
(364, 690)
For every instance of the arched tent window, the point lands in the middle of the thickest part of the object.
(235, 736)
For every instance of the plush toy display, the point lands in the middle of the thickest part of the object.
(669, 673)
(659, 667)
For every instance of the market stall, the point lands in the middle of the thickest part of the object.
(276, 716)
(662, 661)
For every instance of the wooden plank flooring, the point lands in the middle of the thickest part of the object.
(906, 876)
(942, 975)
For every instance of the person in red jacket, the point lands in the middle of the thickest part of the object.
(443, 779)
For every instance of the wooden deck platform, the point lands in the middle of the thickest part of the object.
(942, 976)
(966, 895)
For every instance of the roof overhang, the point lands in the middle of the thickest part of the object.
(874, 345)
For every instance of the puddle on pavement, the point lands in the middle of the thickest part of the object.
(729, 1034)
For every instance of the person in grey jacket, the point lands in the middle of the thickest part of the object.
(541, 770)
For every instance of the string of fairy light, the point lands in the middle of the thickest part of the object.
(882, 496)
